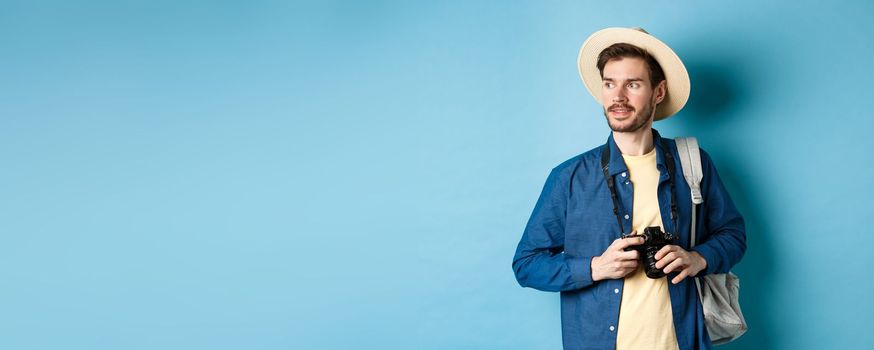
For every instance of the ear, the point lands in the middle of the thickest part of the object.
(661, 91)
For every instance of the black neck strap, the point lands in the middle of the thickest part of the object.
(669, 160)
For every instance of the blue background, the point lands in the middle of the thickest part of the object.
(356, 175)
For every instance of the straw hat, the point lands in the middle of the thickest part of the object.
(675, 72)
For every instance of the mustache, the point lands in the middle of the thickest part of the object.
(624, 106)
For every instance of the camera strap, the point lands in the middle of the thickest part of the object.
(669, 160)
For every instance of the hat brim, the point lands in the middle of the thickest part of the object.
(675, 72)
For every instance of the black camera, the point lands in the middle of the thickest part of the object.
(653, 241)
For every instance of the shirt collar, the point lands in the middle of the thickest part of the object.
(617, 164)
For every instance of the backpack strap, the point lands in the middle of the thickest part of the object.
(690, 159)
(719, 295)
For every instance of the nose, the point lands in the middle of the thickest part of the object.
(619, 96)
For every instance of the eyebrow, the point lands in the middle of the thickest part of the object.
(632, 79)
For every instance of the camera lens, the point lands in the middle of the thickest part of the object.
(656, 240)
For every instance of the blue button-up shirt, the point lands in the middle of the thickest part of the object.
(573, 221)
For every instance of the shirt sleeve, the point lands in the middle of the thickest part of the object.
(725, 241)
(540, 261)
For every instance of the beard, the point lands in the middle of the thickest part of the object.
(638, 121)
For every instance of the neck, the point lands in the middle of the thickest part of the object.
(636, 143)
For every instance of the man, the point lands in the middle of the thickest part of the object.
(574, 243)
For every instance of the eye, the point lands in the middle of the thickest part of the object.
(634, 85)
(608, 84)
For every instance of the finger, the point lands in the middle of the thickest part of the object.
(623, 265)
(632, 233)
(630, 264)
(677, 264)
(665, 260)
(627, 271)
(629, 255)
(627, 242)
(680, 277)
(665, 250)
(617, 244)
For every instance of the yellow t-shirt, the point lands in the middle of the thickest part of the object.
(645, 317)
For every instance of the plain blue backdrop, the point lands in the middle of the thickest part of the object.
(357, 174)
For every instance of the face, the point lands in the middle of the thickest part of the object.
(628, 96)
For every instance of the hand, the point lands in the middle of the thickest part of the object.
(616, 262)
(672, 258)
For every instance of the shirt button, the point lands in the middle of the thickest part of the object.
(623, 174)
(626, 182)
(626, 216)
(616, 291)
(612, 328)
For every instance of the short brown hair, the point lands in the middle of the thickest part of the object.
(623, 50)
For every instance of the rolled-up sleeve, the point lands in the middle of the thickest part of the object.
(540, 261)
(725, 242)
